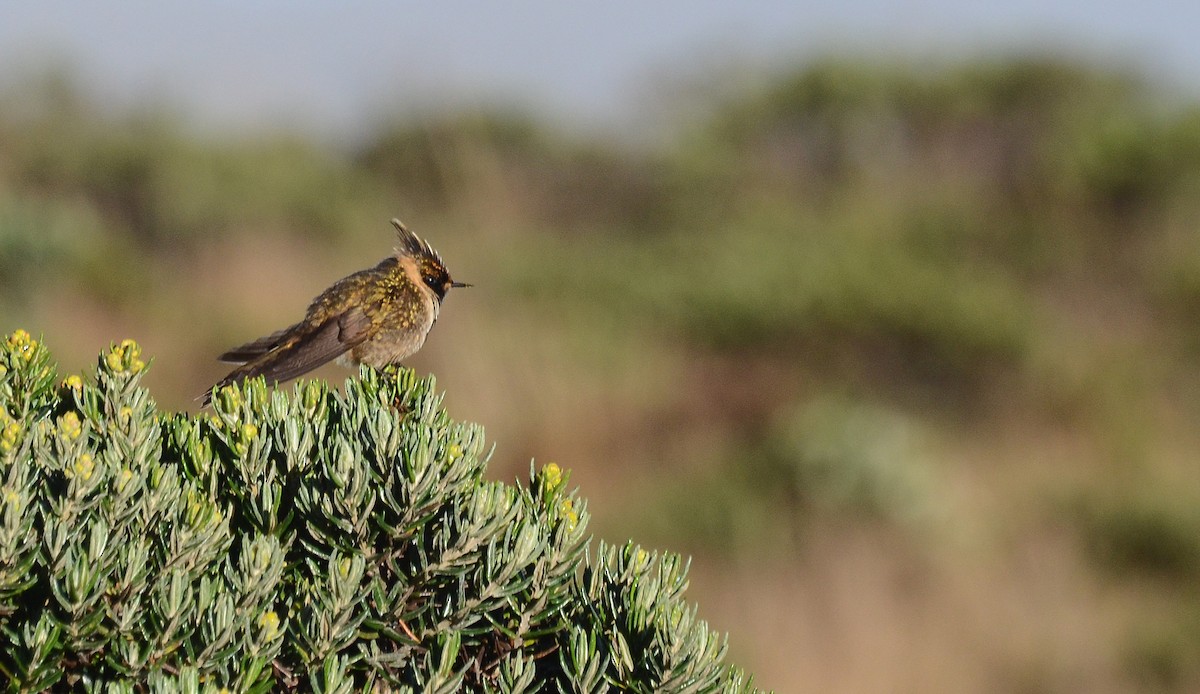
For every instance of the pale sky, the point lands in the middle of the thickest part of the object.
(333, 66)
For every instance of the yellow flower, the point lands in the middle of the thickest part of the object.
(73, 382)
(551, 476)
(312, 395)
(125, 357)
(21, 343)
(195, 506)
(69, 426)
(230, 397)
(269, 623)
(82, 468)
(123, 479)
(245, 436)
(10, 436)
(455, 451)
(566, 511)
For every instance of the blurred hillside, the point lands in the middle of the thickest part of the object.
(906, 359)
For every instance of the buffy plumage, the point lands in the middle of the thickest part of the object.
(375, 317)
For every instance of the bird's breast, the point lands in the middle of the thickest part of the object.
(399, 335)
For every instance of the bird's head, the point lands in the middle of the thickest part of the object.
(432, 270)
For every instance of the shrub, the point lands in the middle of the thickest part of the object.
(324, 541)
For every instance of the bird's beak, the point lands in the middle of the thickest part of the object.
(461, 284)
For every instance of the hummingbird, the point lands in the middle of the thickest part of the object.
(376, 317)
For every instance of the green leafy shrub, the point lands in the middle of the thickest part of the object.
(1148, 531)
(834, 457)
(327, 541)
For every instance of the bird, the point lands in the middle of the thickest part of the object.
(378, 316)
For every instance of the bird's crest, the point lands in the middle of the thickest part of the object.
(413, 245)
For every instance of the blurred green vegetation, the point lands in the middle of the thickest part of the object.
(934, 301)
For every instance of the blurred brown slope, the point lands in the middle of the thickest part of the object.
(906, 358)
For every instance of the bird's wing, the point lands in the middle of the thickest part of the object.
(257, 348)
(354, 326)
(304, 353)
(297, 352)
(300, 355)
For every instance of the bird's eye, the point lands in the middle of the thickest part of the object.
(432, 282)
